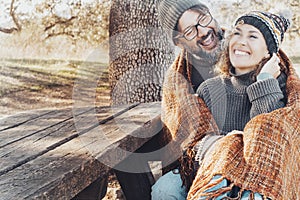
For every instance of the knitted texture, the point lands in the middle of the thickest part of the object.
(265, 158)
(169, 12)
(234, 100)
(270, 25)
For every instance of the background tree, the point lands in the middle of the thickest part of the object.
(139, 53)
(46, 26)
(12, 13)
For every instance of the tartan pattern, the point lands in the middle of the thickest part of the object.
(185, 117)
(265, 159)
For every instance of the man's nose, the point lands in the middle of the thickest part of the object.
(202, 31)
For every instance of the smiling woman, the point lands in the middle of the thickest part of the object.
(247, 47)
(253, 75)
(253, 82)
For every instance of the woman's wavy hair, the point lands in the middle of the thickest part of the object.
(224, 65)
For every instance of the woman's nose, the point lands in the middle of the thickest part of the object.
(242, 40)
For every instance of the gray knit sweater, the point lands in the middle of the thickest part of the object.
(234, 100)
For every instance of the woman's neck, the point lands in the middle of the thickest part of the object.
(241, 71)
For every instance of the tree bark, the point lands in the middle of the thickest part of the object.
(140, 52)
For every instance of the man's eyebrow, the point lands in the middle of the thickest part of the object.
(198, 18)
(201, 16)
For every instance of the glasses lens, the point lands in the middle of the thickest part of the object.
(190, 33)
(205, 20)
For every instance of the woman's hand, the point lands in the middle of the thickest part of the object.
(272, 66)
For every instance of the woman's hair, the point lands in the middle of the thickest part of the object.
(224, 65)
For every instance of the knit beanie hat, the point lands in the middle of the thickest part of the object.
(169, 12)
(272, 27)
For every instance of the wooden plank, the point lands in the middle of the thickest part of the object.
(21, 118)
(58, 174)
(33, 126)
(68, 168)
(14, 154)
(115, 140)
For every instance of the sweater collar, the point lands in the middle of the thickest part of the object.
(243, 79)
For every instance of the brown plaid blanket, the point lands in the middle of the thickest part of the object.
(264, 159)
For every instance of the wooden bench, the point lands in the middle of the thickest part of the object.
(55, 154)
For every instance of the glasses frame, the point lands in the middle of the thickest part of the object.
(207, 13)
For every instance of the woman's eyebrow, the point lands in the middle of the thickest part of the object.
(251, 31)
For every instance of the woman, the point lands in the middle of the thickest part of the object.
(252, 82)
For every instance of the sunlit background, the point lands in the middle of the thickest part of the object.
(64, 29)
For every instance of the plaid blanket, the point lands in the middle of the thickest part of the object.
(264, 159)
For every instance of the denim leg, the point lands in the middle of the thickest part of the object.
(169, 187)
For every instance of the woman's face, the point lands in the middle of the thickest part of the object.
(247, 48)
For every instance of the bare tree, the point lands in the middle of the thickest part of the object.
(14, 18)
(76, 20)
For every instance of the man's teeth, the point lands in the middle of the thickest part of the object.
(241, 53)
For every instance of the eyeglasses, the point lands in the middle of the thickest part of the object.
(192, 31)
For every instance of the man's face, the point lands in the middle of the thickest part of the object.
(207, 43)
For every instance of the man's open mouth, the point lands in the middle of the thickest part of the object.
(209, 41)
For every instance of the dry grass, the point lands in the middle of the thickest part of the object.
(39, 84)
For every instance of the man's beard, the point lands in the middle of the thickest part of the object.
(210, 57)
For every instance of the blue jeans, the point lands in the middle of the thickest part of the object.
(169, 187)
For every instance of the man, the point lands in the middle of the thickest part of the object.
(192, 28)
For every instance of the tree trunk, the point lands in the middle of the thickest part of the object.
(140, 52)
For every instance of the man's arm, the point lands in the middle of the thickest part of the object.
(186, 117)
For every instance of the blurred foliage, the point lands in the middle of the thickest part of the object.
(76, 19)
(76, 25)
(227, 11)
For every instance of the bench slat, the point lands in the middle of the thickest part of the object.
(36, 142)
(34, 126)
(70, 166)
(58, 174)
